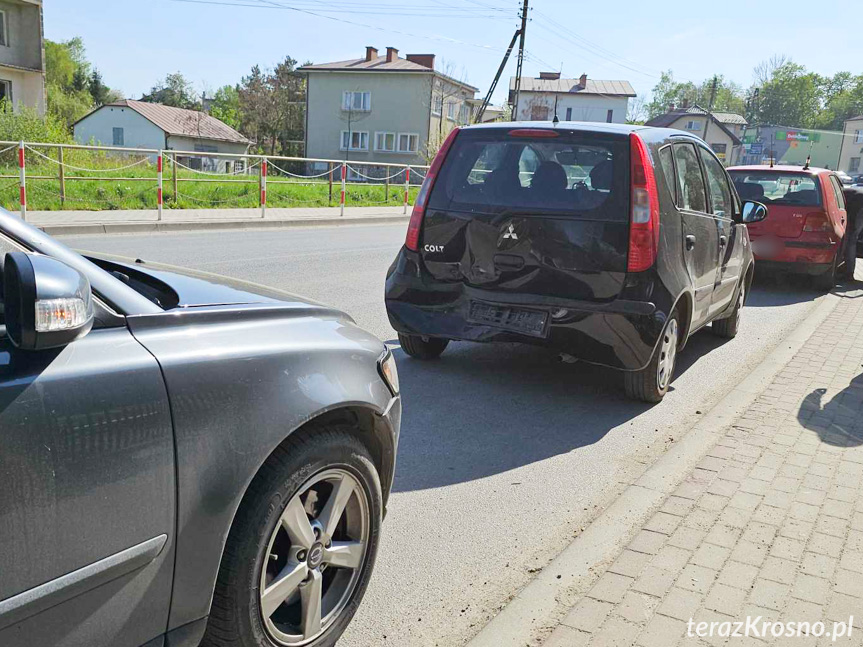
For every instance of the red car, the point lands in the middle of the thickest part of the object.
(804, 231)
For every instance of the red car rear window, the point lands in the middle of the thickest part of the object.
(778, 187)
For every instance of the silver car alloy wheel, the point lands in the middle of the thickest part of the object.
(667, 354)
(314, 557)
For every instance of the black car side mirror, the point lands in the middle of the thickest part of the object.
(47, 303)
(753, 212)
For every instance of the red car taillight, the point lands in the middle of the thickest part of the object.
(412, 240)
(644, 219)
(817, 222)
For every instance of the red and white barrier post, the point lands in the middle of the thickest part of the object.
(159, 164)
(344, 186)
(264, 188)
(22, 173)
(407, 185)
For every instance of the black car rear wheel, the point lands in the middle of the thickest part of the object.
(300, 553)
(422, 347)
(727, 328)
(651, 383)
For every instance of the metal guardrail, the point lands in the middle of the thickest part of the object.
(262, 170)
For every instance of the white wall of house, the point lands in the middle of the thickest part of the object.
(21, 54)
(137, 132)
(851, 157)
(583, 107)
(27, 88)
(716, 137)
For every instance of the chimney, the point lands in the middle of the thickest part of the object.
(392, 54)
(550, 76)
(426, 60)
(371, 53)
(583, 81)
(671, 107)
(685, 104)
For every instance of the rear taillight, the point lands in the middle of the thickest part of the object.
(817, 222)
(644, 219)
(412, 240)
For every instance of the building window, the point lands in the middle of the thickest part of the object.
(4, 32)
(693, 125)
(355, 141)
(609, 117)
(239, 166)
(854, 166)
(357, 101)
(118, 137)
(5, 90)
(385, 142)
(569, 114)
(858, 136)
(408, 142)
(464, 114)
(452, 110)
(437, 106)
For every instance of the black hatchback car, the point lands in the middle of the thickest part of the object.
(610, 243)
(184, 459)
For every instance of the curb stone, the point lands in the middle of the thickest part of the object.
(541, 603)
(212, 225)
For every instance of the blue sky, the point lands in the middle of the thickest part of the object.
(135, 42)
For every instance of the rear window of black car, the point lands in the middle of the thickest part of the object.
(574, 174)
(778, 187)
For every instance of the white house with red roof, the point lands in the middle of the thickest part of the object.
(140, 124)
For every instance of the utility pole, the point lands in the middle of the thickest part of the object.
(708, 117)
(518, 71)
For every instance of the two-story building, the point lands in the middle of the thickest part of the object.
(382, 109)
(581, 99)
(723, 131)
(852, 147)
(22, 54)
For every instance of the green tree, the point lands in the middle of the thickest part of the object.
(175, 90)
(226, 106)
(729, 96)
(788, 95)
(99, 92)
(68, 76)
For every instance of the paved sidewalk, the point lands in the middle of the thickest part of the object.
(769, 523)
(136, 220)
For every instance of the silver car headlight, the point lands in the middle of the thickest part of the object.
(389, 372)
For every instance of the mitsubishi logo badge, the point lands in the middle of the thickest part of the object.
(510, 233)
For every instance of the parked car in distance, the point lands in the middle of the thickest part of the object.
(844, 178)
(618, 269)
(854, 230)
(805, 229)
(184, 459)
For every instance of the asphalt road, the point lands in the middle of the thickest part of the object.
(505, 452)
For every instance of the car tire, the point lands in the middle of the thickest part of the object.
(651, 383)
(260, 548)
(827, 281)
(423, 347)
(727, 327)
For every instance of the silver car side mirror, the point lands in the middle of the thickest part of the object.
(47, 303)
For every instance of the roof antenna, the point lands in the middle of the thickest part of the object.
(808, 160)
(556, 120)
